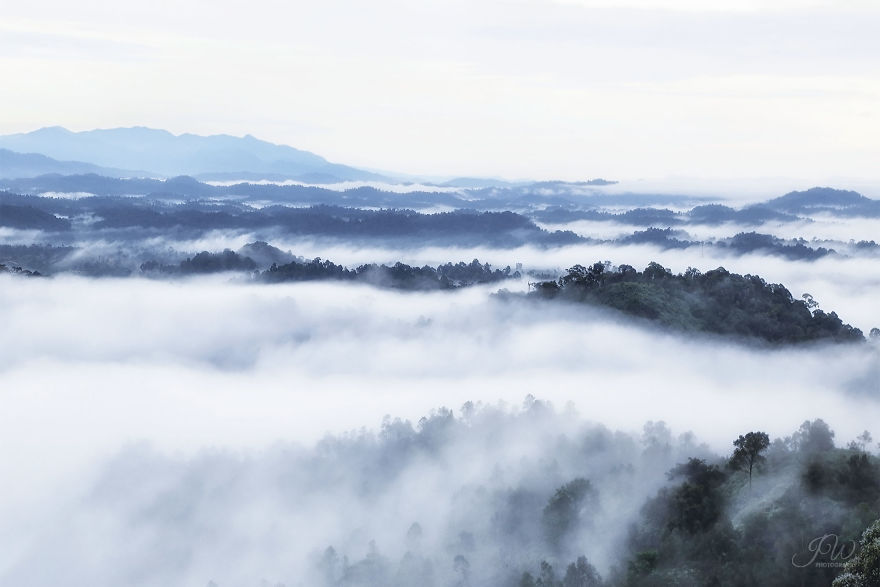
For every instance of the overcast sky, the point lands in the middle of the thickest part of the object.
(517, 88)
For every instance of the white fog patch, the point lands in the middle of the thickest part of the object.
(67, 195)
(596, 229)
(827, 227)
(212, 240)
(17, 236)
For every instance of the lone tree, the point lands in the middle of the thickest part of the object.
(747, 452)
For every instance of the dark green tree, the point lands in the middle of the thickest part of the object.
(747, 452)
(697, 504)
(863, 570)
(566, 508)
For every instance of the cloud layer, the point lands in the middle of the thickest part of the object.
(171, 370)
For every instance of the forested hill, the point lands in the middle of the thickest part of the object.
(717, 302)
(398, 276)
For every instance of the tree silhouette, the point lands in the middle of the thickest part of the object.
(747, 452)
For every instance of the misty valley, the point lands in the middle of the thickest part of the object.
(154, 230)
(303, 373)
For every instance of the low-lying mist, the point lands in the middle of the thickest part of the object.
(202, 369)
(461, 492)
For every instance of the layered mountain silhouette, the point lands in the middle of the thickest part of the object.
(160, 153)
(14, 165)
(821, 198)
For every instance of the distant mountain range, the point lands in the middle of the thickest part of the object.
(111, 152)
(140, 152)
(15, 165)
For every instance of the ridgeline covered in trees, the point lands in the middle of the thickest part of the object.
(716, 301)
(397, 276)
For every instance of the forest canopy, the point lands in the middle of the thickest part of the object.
(717, 302)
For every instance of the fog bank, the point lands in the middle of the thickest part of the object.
(92, 366)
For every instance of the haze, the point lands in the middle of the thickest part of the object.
(536, 89)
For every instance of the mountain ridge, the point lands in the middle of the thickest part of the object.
(14, 165)
(168, 155)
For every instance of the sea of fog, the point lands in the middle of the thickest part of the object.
(98, 374)
(166, 432)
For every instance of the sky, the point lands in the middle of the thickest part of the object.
(514, 88)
